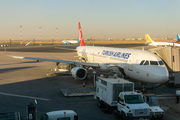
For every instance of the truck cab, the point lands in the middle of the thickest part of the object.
(132, 106)
(153, 103)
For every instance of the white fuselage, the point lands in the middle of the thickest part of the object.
(70, 41)
(164, 44)
(28, 43)
(127, 59)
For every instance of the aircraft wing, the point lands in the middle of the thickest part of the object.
(57, 60)
(116, 65)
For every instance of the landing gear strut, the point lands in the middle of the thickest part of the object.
(144, 91)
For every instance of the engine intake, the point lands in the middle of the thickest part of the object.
(79, 73)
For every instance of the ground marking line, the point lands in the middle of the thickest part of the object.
(23, 96)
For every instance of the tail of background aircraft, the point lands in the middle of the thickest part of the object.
(148, 38)
(178, 38)
(80, 36)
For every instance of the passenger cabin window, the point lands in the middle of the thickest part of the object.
(153, 63)
(142, 62)
(146, 63)
(161, 63)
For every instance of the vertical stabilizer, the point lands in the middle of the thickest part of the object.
(178, 38)
(148, 38)
(80, 36)
(78, 41)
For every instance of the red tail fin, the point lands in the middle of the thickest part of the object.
(80, 36)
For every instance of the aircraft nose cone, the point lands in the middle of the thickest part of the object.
(161, 75)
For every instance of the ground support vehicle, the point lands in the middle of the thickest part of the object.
(10, 116)
(60, 115)
(119, 92)
(153, 103)
(174, 79)
(108, 89)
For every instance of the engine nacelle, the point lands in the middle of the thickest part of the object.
(79, 73)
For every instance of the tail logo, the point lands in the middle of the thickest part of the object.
(80, 36)
(148, 38)
(178, 38)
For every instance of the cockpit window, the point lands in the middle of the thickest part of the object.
(153, 63)
(161, 63)
(142, 62)
(146, 63)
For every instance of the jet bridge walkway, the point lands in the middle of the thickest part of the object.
(170, 55)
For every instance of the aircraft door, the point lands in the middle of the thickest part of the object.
(85, 55)
(91, 56)
(131, 61)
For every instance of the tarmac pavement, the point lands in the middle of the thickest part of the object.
(22, 81)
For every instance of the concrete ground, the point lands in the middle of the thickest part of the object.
(22, 81)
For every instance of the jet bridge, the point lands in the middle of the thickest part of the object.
(171, 57)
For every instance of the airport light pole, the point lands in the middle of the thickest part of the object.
(169, 35)
(39, 35)
(21, 35)
(114, 36)
(102, 36)
(56, 37)
(10, 42)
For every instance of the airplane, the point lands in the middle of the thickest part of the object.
(70, 42)
(178, 38)
(152, 43)
(28, 43)
(140, 65)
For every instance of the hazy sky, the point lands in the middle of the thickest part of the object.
(99, 18)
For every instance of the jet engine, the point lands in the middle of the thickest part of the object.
(79, 73)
